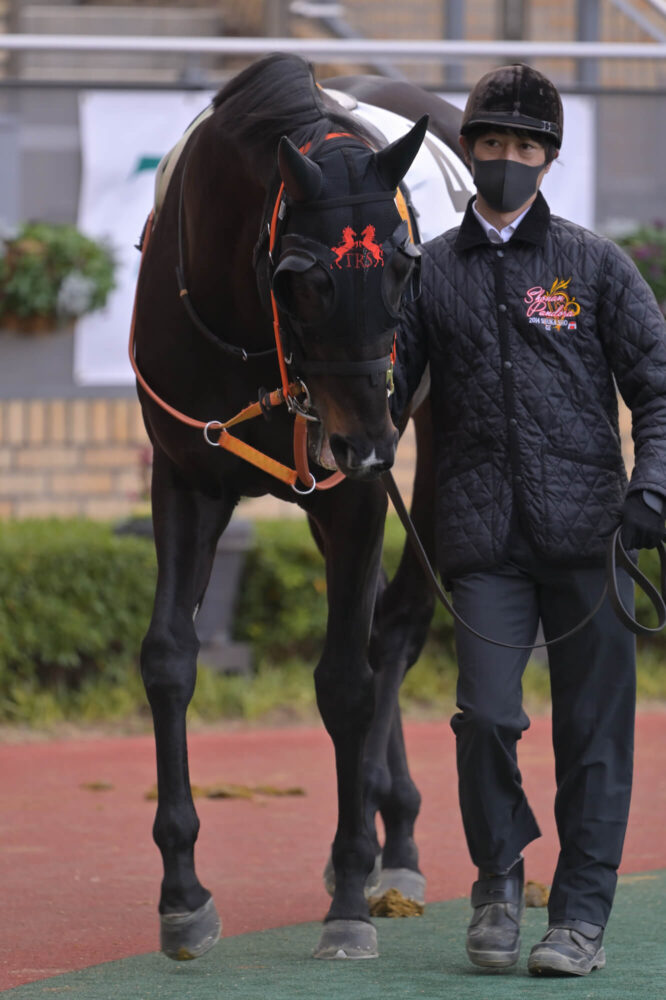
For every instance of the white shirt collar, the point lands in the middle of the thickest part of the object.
(497, 235)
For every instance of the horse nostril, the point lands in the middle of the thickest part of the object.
(359, 460)
(340, 447)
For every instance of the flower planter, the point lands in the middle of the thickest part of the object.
(36, 364)
(31, 325)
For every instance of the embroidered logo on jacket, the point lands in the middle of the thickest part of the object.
(355, 252)
(554, 308)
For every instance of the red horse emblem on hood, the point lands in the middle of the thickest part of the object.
(348, 243)
(370, 244)
(368, 253)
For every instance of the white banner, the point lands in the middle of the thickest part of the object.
(124, 136)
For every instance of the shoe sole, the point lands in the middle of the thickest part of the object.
(493, 959)
(559, 965)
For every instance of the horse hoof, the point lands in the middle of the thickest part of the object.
(347, 939)
(371, 883)
(409, 883)
(184, 936)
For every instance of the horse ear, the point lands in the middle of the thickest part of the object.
(394, 161)
(301, 176)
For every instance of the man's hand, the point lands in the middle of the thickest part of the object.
(642, 526)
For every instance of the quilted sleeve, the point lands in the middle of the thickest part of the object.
(634, 334)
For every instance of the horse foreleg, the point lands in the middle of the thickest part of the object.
(187, 527)
(403, 615)
(352, 539)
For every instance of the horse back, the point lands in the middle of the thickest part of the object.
(404, 99)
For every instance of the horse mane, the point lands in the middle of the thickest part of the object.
(278, 96)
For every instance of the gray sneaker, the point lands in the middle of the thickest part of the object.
(493, 935)
(572, 950)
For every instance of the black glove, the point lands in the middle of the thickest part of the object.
(642, 526)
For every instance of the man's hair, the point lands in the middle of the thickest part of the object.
(476, 131)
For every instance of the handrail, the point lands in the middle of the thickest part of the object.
(348, 49)
(629, 11)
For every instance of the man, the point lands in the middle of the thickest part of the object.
(527, 321)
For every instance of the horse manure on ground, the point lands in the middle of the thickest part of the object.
(224, 790)
(394, 904)
(536, 894)
(97, 786)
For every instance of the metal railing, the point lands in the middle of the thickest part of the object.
(351, 50)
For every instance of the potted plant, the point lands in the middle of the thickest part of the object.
(50, 274)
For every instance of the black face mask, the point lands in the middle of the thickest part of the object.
(505, 184)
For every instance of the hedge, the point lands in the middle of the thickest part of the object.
(75, 601)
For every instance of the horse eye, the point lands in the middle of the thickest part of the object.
(397, 273)
(311, 294)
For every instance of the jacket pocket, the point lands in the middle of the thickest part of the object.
(595, 461)
(473, 511)
(582, 501)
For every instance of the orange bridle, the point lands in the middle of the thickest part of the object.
(288, 394)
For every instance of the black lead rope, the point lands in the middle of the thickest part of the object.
(616, 557)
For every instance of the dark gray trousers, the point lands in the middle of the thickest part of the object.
(593, 693)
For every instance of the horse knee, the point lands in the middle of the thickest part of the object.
(345, 702)
(168, 669)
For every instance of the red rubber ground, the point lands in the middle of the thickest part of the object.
(80, 874)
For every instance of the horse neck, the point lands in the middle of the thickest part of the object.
(223, 204)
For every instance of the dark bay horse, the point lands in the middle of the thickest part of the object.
(258, 202)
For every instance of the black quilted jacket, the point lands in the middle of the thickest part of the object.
(523, 340)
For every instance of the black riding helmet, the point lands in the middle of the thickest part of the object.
(517, 97)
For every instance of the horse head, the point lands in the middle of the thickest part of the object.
(345, 265)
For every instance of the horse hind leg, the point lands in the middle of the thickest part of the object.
(186, 530)
(401, 887)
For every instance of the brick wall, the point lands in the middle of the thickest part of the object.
(71, 457)
(88, 458)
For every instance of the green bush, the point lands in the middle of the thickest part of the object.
(74, 604)
(282, 597)
(75, 601)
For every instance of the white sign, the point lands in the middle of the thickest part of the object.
(124, 136)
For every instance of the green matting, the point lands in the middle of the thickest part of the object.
(420, 957)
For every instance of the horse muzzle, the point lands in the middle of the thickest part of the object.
(360, 458)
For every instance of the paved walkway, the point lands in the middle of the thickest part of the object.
(80, 874)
